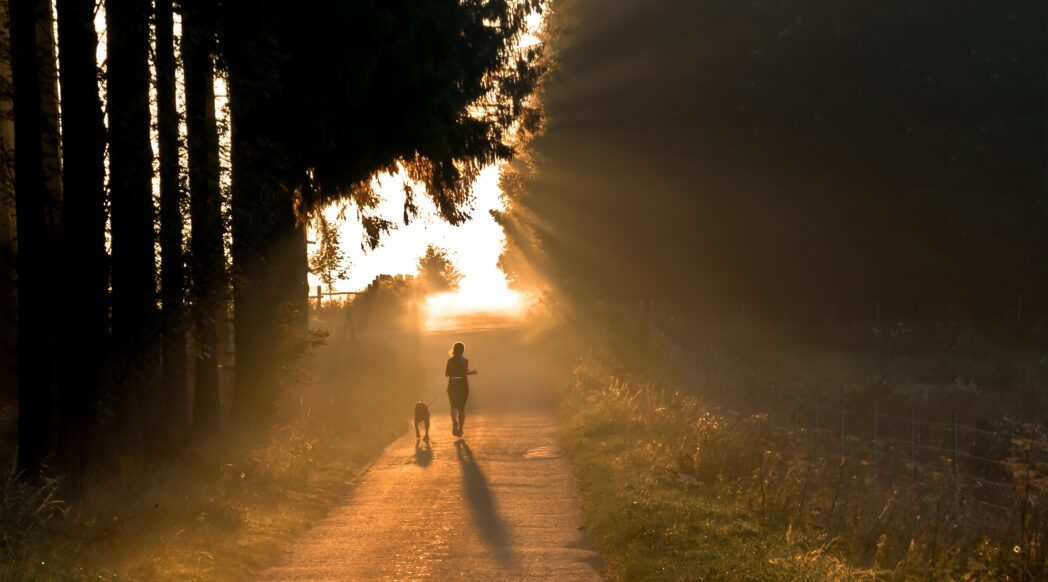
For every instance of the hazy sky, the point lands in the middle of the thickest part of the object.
(474, 246)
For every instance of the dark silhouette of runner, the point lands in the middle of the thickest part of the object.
(457, 370)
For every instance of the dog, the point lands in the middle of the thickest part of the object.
(421, 417)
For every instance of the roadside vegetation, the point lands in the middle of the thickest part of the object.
(675, 488)
(221, 507)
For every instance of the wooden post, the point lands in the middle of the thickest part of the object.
(738, 387)
(913, 446)
(873, 461)
(956, 477)
(840, 399)
(815, 431)
(318, 296)
(778, 409)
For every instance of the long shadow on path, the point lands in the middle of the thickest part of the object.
(482, 504)
(423, 453)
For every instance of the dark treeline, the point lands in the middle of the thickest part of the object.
(798, 160)
(119, 284)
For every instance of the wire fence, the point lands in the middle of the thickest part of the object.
(990, 467)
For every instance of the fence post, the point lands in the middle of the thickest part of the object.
(956, 476)
(873, 462)
(815, 431)
(742, 395)
(840, 400)
(738, 389)
(318, 296)
(913, 446)
(778, 408)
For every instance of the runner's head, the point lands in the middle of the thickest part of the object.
(458, 349)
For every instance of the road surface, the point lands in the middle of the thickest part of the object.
(498, 504)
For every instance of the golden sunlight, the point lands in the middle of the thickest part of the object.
(483, 304)
(483, 299)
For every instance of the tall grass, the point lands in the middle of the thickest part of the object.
(673, 491)
(224, 506)
(27, 513)
(653, 521)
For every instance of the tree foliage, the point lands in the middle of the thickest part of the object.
(325, 96)
(436, 271)
(327, 262)
(353, 89)
(322, 97)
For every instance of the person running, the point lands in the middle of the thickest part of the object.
(457, 370)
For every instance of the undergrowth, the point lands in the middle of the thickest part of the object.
(27, 512)
(674, 492)
(224, 506)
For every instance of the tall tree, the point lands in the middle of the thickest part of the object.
(206, 245)
(135, 330)
(85, 269)
(261, 204)
(437, 272)
(323, 96)
(172, 272)
(37, 200)
(8, 303)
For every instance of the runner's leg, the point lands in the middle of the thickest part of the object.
(462, 411)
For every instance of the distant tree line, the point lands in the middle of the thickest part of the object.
(122, 247)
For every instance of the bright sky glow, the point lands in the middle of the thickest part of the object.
(474, 247)
(484, 294)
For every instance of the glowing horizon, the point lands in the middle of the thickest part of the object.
(474, 246)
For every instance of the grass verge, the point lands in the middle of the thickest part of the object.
(673, 492)
(221, 507)
(221, 513)
(653, 522)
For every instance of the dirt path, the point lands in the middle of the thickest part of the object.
(499, 504)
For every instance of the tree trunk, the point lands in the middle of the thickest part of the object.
(8, 296)
(208, 259)
(294, 258)
(36, 201)
(135, 330)
(253, 58)
(172, 273)
(256, 281)
(85, 312)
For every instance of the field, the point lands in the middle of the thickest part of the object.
(678, 484)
